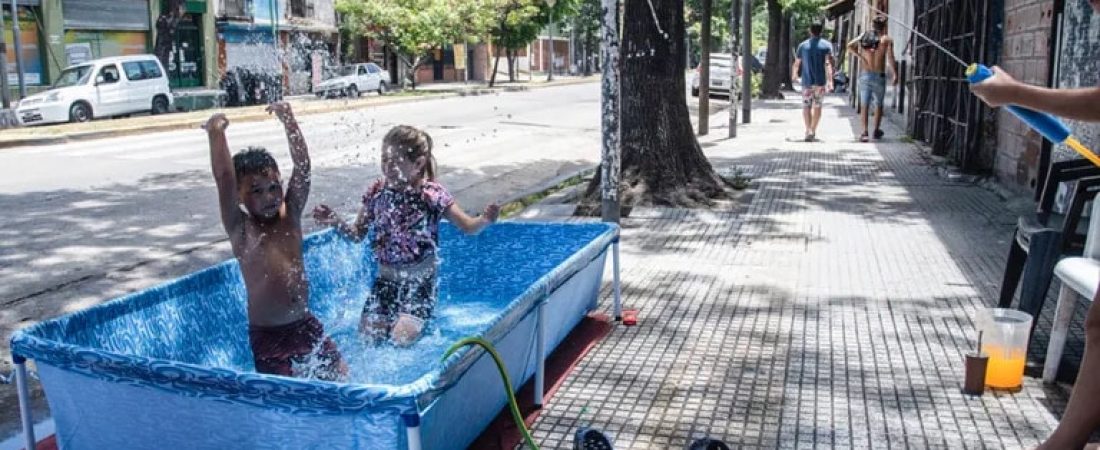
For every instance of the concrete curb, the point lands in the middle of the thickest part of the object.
(258, 116)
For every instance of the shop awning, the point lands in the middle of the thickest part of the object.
(839, 8)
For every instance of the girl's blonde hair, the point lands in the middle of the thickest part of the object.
(412, 143)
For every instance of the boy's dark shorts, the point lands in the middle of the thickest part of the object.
(297, 349)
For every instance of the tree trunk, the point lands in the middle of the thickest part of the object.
(496, 65)
(166, 31)
(413, 66)
(662, 162)
(773, 73)
(785, 60)
(511, 65)
(705, 39)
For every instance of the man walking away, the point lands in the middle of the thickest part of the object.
(813, 65)
(876, 52)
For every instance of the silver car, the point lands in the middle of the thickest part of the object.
(352, 80)
(719, 76)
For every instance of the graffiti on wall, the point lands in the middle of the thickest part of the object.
(105, 44)
(1079, 66)
(31, 53)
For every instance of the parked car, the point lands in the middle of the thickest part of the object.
(100, 88)
(719, 76)
(353, 80)
(245, 86)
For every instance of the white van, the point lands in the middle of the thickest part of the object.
(100, 88)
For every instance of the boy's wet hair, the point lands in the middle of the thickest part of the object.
(412, 143)
(879, 23)
(253, 161)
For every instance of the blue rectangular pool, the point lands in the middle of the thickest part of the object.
(171, 366)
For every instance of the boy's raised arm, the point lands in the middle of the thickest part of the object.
(297, 192)
(221, 164)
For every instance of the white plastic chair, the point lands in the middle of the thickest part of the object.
(1079, 276)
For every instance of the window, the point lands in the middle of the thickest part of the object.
(109, 74)
(235, 8)
(362, 70)
(133, 71)
(373, 68)
(298, 8)
(73, 76)
(151, 69)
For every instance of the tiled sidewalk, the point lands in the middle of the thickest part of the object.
(831, 307)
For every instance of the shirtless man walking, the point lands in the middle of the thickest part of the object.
(876, 51)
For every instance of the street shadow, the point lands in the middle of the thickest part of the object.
(914, 354)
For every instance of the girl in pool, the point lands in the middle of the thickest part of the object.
(404, 209)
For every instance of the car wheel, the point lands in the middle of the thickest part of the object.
(320, 94)
(80, 112)
(160, 106)
(353, 92)
(382, 88)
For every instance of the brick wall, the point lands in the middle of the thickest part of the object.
(542, 55)
(1026, 56)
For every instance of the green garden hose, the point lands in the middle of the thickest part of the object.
(504, 377)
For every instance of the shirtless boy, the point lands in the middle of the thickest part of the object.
(265, 231)
(876, 53)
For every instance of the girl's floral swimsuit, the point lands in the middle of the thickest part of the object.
(406, 234)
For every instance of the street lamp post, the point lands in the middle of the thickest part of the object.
(550, 70)
(18, 49)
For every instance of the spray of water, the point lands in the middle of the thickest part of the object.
(921, 35)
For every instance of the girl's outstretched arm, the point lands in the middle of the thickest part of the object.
(472, 225)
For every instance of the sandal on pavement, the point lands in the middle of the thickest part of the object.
(879, 134)
(708, 444)
(591, 439)
(863, 137)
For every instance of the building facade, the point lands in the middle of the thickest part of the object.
(59, 33)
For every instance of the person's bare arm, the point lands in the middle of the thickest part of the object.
(472, 225)
(324, 215)
(297, 192)
(795, 70)
(830, 69)
(1075, 104)
(221, 164)
(891, 61)
(855, 48)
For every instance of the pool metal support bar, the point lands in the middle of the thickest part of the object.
(24, 400)
(540, 347)
(412, 430)
(617, 286)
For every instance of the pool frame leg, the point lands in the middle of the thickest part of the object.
(617, 285)
(540, 350)
(24, 401)
(412, 431)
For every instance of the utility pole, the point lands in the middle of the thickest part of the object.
(6, 90)
(746, 55)
(610, 159)
(550, 71)
(18, 49)
(704, 72)
(735, 24)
